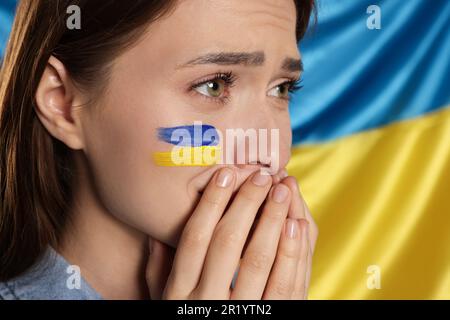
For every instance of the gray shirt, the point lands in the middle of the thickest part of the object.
(51, 278)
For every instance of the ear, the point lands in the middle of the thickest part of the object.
(56, 101)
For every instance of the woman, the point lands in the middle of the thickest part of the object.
(86, 213)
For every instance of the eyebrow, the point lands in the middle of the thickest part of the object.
(256, 58)
(292, 64)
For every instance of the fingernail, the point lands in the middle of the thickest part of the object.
(261, 179)
(224, 178)
(291, 228)
(283, 174)
(280, 193)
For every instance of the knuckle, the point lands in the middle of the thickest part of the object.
(275, 214)
(289, 253)
(248, 195)
(257, 261)
(212, 199)
(227, 237)
(284, 287)
(193, 237)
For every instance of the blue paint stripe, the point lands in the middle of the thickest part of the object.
(190, 135)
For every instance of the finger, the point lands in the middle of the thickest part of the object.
(313, 229)
(302, 267)
(229, 237)
(279, 176)
(301, 206)
(158, 267)
(262, 248)
(308, 273)
(299, 209)
(196, 236)
(281, 281)
(296, 209)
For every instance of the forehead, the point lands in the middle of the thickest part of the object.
(235, 25)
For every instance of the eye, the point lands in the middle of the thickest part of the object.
(282, 90)
(215, 87)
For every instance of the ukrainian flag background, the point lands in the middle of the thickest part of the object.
(372, 147)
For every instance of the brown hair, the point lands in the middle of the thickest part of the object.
(36, 170)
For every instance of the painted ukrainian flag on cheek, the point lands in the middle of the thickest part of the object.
(372, 148)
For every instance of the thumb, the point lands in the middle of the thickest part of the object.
(158, 267)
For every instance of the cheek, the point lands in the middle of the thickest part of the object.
(119, 149)
(285, 148)
(285, 141)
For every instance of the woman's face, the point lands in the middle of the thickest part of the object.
(152, 85)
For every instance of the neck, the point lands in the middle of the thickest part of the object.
(111, 255)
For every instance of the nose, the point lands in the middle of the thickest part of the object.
(261, 138)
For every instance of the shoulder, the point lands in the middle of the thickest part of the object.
(51, 278)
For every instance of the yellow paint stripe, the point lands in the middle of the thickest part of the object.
(188, 156)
